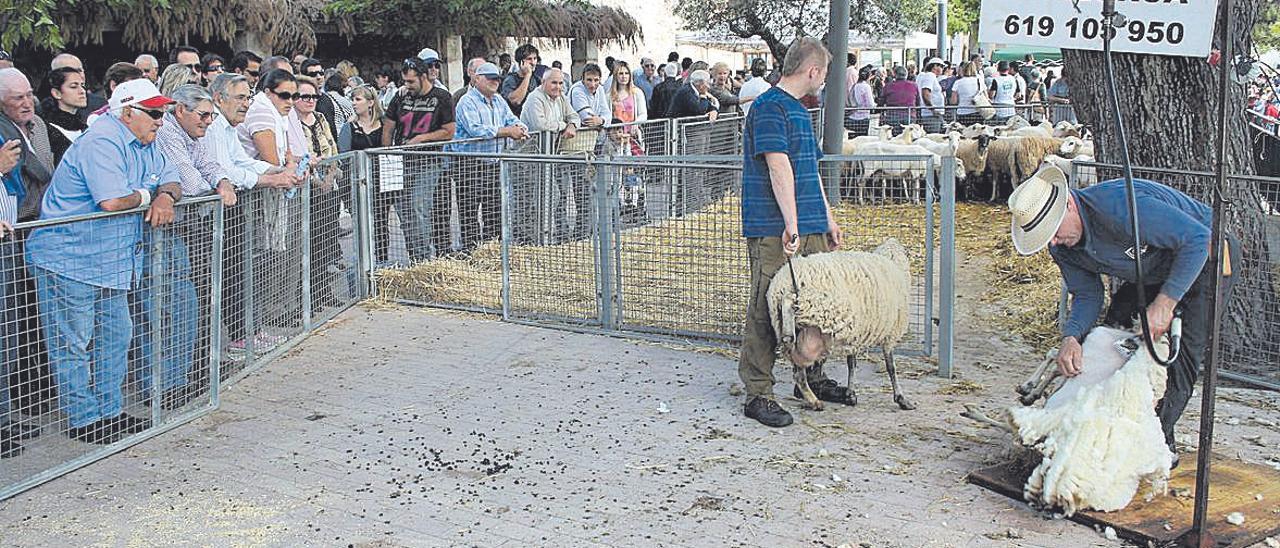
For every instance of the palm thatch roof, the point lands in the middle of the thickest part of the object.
(292, 25)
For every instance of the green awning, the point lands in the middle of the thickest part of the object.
(1016, 53)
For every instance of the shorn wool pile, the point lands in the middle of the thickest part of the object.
(1098, 435)
(842, 303)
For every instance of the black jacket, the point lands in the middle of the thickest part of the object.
(662, 94)
(686, 102)
(36, 172)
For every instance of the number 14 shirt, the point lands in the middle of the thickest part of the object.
(413, 114)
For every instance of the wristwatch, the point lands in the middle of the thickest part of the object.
(171, 194)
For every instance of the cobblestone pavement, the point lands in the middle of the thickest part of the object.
(411, 427)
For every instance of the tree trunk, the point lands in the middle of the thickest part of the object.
(1170, 107)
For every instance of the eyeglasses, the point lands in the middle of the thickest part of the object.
(214, 68)
(648, 65)
(287, 96)
(307, 97)
(154, 114)
(315, 74)
(206, 116)
(195, 67)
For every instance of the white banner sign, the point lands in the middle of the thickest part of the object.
(1161, 27)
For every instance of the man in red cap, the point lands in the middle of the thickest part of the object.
(84, 269)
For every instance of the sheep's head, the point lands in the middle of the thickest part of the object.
(911, 132)
(811, 345)
(893, 249)
(1070, 146)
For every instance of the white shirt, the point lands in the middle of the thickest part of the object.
(928, 80)
(1006, 86)
(224, 142)
(965, 89)
(750, 90)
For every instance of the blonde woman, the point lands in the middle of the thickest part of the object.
(176, 75)
(722, 88)
(629, 107)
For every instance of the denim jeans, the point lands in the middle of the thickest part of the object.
(167, 295)
(76, 316)
(10, 262)
(418, 232)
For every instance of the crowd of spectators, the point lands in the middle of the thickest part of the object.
(148, 135)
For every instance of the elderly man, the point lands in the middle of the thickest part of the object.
(784, 211)
(547, 109)
(525, 78)
(646, 77)
(149, 66)
(483, 116)
(26, 165)
(694, 99)
(6, 59)
(1089, 234)
(232, 95)
(84, 269)
(248, 64)
(590, 99)
(470, 69)
(421, 112)
(186, 253)
(66, 60)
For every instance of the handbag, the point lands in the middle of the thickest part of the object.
(983, 103)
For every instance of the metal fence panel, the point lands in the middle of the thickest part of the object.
(99, 355)
(1251, 328)
(333, 263)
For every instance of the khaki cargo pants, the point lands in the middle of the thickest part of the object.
(759, 342)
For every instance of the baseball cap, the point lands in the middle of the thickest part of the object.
(140, 92)
(428, 55)
(488, 69)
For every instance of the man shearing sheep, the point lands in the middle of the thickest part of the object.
(1089, 234)
(784, 211)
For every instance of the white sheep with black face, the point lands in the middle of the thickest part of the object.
(1098, 436)
(842, 303)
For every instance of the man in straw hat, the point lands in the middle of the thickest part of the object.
(1089, 234)
(784, 211)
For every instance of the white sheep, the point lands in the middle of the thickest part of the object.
(842, 303)
(908, 171)
(1016, 158)
(1076, 174)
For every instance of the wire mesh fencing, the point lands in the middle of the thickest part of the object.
(861, 121)
(107, 335)
(1251, 326)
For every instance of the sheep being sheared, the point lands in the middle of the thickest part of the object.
(1098, 435)
(846, 302)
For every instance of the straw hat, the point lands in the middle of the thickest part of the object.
(1038, 207)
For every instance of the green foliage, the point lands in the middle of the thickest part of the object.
(962, 16)
(778, 22)
(31, 22)
(1266, 31)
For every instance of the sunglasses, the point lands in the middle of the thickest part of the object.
(490, 77)
(315, 74)
(287, 96)
(154, 114)
(214, 68)
(307, 97)
(206, 116)
(252, 73)
(195, 67)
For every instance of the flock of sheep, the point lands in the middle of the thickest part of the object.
(999, 155)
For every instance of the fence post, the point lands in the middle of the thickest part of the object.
(364, 206)
(306, 255)
(946, 333)
(250, 313)
(153, 293)
(215, 304)
(506, 192)
(604, 251)
(929, 198)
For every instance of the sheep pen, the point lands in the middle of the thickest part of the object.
(690, 275)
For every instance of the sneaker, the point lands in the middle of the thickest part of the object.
(767, 412)
(264, 342)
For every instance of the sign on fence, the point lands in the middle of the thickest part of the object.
(1161, 27)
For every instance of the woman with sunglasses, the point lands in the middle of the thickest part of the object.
(66, 96)
(325, 199)
(211, 65)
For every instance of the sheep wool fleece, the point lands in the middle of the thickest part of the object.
(857, 298)
(759, 342)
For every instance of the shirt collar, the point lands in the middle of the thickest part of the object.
(171, 121)
(122, 130)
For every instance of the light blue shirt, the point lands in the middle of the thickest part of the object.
(224, 142)
(106, 162)
(645, 84)
(480, 118)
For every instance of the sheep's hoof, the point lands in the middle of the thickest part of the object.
(816, 405)
(904, 403)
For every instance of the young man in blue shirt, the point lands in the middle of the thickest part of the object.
(1088, 234)
(784, 211)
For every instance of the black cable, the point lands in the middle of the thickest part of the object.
(1108, 30)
